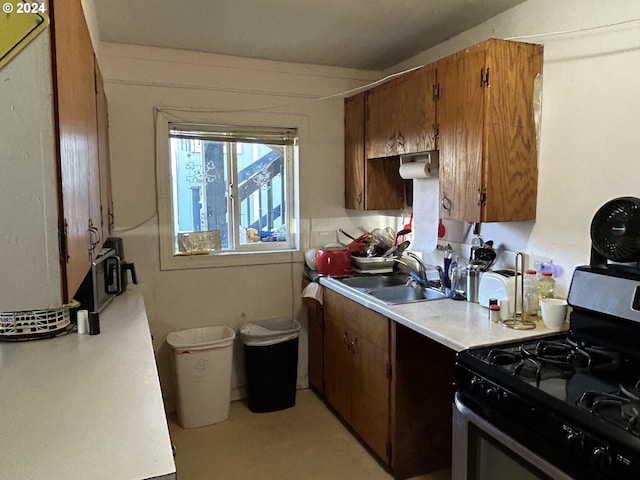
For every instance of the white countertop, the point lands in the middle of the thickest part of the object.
(85, 406)
(456, 324)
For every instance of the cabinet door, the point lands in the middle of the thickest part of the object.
(416, 111)
(370, 411)
(510, 163)
(106, 199)
(354, 159)
(382, 117)
(400, 115)
(316, 355)
(77, 130)
(338, 358)
(460, 119)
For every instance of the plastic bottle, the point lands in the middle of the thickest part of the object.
(546, 285)
(530, 295)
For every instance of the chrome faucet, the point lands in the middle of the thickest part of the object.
(422, 272)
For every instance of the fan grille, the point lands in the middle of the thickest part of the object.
(615, 230)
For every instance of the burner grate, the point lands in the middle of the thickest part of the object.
(621, 408)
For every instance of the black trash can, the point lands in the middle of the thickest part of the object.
(270, 363)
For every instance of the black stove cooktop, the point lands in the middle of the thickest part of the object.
(577, 393)
(562, 397)
(594, 378)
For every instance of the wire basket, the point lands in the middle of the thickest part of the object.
(32, 324)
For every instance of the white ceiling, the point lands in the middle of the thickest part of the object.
(362, 34)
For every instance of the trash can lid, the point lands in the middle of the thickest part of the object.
(202, 338)
(270, 331)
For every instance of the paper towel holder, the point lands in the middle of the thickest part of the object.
(431, 158)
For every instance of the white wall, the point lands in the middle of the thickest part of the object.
(28, 182)
(137, 79)
(590, 122)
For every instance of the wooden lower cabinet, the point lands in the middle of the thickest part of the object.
(356, 365)
(315, 334)
(421, 400)
(391, 385)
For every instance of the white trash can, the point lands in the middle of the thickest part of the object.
(203, 374)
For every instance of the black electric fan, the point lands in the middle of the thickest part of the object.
(615, 232)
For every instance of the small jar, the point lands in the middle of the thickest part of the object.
(530, 295)
(494, 313)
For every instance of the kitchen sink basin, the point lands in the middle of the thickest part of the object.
(371, 282)
(392, 289)
(398, 294)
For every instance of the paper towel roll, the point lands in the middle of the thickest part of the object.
(411, 170)
(426, 192)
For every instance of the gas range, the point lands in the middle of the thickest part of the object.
(572, 398)
(565, 406)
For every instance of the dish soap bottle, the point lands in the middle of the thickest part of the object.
(530, 295)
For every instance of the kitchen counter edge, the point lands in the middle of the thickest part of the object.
(458, 325)
(86, 406)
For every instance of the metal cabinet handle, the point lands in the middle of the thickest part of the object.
(400, 143)
(354, 345)
(446, 203)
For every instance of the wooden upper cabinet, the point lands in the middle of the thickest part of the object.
(487, 135)
(106, 199)
(370, 184)
(77, 130)
(400, 115)
(354, 160)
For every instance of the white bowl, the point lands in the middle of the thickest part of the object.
(310, 258)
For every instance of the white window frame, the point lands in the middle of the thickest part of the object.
(266, 253)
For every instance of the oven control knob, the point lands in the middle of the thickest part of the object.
(477, 385)
(576, 442)
(493, 395)
(602, 458)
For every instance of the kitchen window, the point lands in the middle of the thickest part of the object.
(226, 194)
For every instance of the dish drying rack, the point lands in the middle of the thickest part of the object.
(32, 324)
(518, 321)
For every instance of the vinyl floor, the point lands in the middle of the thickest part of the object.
(305, 442)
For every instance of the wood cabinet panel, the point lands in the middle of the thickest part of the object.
(356, 359)
(106, 199)
(354, 159)
(338, 359)
(77, 132)
(394, 118)
(422, 395)
(417, 112)
(460, 119)
(315, 335)
(370, 411)
(487, 142)
(400, 115)
(484, 119)
(382, 120)
(391, 385)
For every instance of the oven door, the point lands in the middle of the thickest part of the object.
(482, 452)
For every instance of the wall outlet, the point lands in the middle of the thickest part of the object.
(321, 238)
(536, 261)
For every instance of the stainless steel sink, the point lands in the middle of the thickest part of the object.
(405, 294)
(392, 288)
(371, 282)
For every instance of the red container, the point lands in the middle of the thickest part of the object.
(334, 262)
